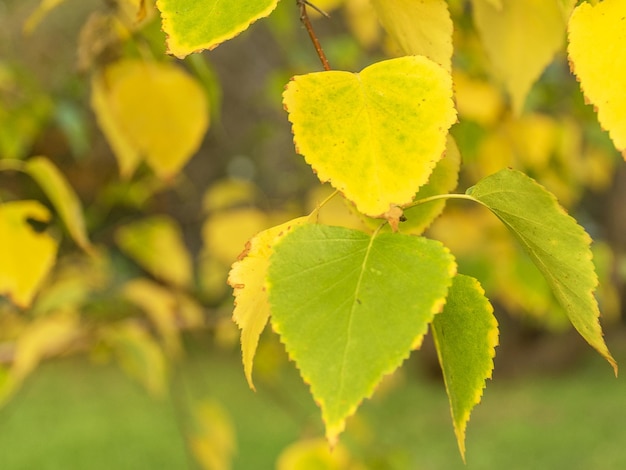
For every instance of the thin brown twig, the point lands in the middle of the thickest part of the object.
(304, 17)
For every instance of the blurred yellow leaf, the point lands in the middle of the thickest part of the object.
(521, 39)
(336, 211)
(477, 100)
(62, 196)
(138, 354)
(127, 154)
(363, 22)
(46, 335)
(229, 193)
(150, 110)
(27, 256)
(161, 306)
(597, 53)
(247, 278)
(156, 243)
(214, 441)
(226, 233)
(420, 28)
(42, 10)
(314, 454)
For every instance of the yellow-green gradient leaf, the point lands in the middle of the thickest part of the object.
(377, 135)
(154, 110)
(466, 334)
(162, 307)
(27, 256)
(247, 278)
(521, 39)
(156, 244)
(194, 25)
(558, 246)
(62, 196)
(350, 307)
(419, 27)
(597, 53)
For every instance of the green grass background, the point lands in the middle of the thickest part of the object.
(74, 415)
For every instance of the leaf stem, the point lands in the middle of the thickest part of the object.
(304, 17)
(440, 197)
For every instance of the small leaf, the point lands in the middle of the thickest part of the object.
(27, 256)
(247, 278)
(554, 241)
(350, 307)
(156, 243)
(44, 336)
(62, 196)
(377, 135)
(139, 355)
(213, 441)
(521, 39)
(313, 454)
(194, 25)
(466, 334)
(597, 53)
(163, 309)
(152, 110)
(420, 28)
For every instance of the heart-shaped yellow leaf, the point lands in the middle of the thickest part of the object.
(597, 53)
(377, 135)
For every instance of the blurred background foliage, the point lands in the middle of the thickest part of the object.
(148, 290)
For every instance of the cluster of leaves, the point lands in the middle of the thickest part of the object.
(350, 296)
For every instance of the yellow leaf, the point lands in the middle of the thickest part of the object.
(521, 39)
(46, 335)
(247, 278)
(375, 136)
(27, 256)
(226, 233)
(62, 196)
(315, 454)
(597, 53)
(157, 244)
(213, 443)
(229, 193)
(161, 306)
(151, 109)
(419, 27)
(363, 22)
(477, 100)
(128, 155)
(138, 354)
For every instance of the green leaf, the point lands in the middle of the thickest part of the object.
(350, 307)
(375, 136)
(466, 334)
(62, 196)
(194, 25)
(247, 278)
(554, 241)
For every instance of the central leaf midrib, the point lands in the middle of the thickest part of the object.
(344, 355)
